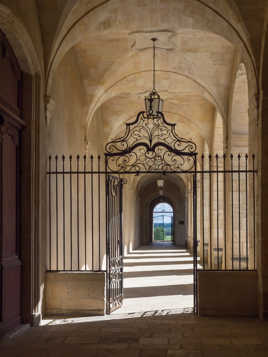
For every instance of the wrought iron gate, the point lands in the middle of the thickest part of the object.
(150, 145)
(222, 214)
(223, 200)
(195, 243)
(114, 243)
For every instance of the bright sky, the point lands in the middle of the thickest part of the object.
(163, 207)
(163, 217)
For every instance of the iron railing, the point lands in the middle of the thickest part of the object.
(76, 214)
(226, 208)
(221, 218)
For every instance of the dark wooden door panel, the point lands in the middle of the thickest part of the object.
(9, 149)
(11, 125)
(11, 278)
(10, 77)
(9, 234)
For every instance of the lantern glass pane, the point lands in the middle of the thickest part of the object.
(155, 106)
(161, 104)
(147, 105)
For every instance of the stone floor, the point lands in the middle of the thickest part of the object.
(157, 277)
(147, 336)
(145, 327)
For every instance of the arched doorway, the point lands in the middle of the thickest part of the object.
(148, 196)
(162, 223)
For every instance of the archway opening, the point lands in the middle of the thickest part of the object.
(163, 218)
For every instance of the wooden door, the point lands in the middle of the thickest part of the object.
(11, 124)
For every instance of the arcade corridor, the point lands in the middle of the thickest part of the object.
(107, 109)
(156, 278)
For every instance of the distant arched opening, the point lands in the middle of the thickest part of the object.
(163, 223)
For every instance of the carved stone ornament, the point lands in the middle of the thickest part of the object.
(50, 109)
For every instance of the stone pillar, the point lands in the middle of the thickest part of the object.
(263, 241)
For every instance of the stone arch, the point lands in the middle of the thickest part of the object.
(105, 87)
(117, 97)
(108, 92)
(228, 26)
(20, 41)
(174, 193)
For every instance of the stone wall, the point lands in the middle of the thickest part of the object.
(227, 293)
(75, 293)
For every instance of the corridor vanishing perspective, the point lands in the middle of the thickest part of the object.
(172, 169)
(133, 177)
(158, 278)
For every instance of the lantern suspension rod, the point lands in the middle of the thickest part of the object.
(154, 40)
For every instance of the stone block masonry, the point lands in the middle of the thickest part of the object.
(227, 293)
(75, 293)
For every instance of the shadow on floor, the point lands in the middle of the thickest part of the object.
(186, 289)
(132, 274)
(157, 277)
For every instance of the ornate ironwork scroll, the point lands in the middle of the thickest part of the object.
(150, 144)
(114, 293)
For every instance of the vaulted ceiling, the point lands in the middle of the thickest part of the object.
(201, 43)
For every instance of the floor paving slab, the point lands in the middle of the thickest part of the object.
(160, 333)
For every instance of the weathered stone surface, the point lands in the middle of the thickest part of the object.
(234, 337)
(75, 293)
(213, 301)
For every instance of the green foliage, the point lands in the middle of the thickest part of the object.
(168, 238)
(159, 233)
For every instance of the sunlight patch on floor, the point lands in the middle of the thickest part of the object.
(156, 303)
(144, 292)
(149, 268)
(159, 260)
(153, 281)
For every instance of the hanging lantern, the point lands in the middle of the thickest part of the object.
(150, 142)
(153, 102)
